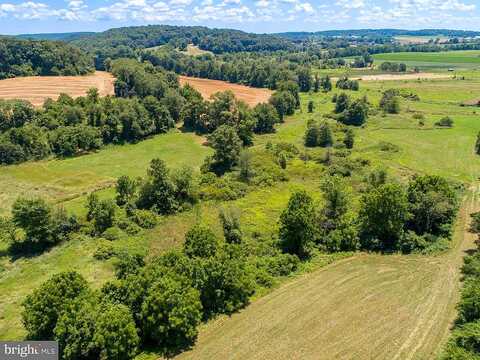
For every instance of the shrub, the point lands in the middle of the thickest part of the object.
(144, 218)
(230, 219)
(445, 122)
(112, 233)
(104, 251)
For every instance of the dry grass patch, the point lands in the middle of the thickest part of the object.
(37, 89)
(252, 96)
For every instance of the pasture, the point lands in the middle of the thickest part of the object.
(251, 96)
(468, 59)
(37, 89)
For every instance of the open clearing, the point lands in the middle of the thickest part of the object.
(409, 302)
(252, 96)
(37, 89)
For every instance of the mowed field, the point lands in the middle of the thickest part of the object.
(37, 89)
(252, 96)
(467, 59)
(364, 307)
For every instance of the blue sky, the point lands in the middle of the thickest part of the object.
(251, 15)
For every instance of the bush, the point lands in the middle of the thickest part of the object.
(104, 251)
(112, 233)
(144, 218)
(201, 242)
(445, 122)
(469, 307)
(230, 219)
(42, 308)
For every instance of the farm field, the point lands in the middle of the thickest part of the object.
(468, 59)
(406, 40)
(37, 89)
(207, 88)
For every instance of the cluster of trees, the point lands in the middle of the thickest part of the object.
(393, 67)
(160, 303)
(321, 134)
(345, 83)
(366, 60)
(29, 58)
(390, 217)
(465, 338)
(148, 101)
(350, 112)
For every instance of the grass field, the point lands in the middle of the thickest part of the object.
(406, 40)
(37, 89)
(467, 59)
(61, 180)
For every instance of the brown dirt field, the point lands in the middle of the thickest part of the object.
(252, 96)
(365, 307)
(37, 89)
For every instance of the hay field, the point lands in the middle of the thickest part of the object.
(365, 307)
(37, 89)
(252, 96)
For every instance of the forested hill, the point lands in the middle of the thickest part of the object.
(124, 42)
(28, 58)
(376, 33)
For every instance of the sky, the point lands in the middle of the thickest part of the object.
(261, 16)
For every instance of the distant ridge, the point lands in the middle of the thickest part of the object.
(379, 33)
(55, 36)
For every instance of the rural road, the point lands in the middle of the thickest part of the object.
(366, 307)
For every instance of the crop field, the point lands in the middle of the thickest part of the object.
(468, 59)
(252, 96)
(37, 89)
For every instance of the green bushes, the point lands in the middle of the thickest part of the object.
(393, 67)
(389, 102)
(318, 135)
(464, 341)
(445, 121)
(350, 112)
(345, 84)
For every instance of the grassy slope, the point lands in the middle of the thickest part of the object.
(365, 307)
